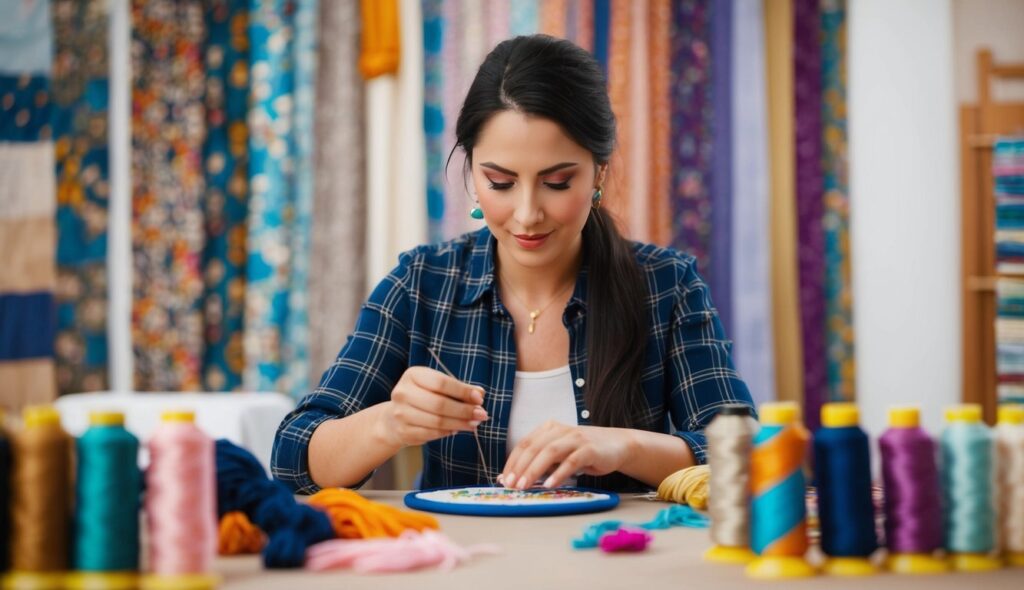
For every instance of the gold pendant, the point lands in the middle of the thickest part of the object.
(533, 320)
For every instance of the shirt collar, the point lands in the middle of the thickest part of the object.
(481, 279)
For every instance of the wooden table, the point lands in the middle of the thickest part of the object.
(537, 553)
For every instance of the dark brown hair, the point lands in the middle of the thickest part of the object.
(555, 79)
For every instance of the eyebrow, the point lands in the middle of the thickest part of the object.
(543, 172)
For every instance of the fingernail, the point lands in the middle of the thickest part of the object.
(547, 482)
(511, 477)
(477, 396)
(480, 414)
(474, 423)
(521, 484)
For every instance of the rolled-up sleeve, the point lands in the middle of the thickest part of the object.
(703, 377)
(372, 360)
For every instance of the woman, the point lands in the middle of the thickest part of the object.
(615, 389)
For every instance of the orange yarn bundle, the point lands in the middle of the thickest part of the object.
(237, 535)
(355, 517)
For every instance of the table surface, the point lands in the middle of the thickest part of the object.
(537, 553)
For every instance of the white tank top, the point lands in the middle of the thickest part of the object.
(537, 397)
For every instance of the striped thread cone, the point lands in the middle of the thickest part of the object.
(778, 526)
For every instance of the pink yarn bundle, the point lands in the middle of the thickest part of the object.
(625, 540)
(410, 551)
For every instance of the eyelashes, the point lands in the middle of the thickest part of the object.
(502, 186)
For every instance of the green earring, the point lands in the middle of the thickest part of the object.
(596, 200)
(476, 213)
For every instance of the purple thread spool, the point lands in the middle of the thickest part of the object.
(913, 504)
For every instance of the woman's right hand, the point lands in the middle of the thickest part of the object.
(427, 405)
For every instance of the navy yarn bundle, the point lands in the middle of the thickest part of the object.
(5, 501)
(290, 527)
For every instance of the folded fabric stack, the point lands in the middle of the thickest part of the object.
(1008, 172)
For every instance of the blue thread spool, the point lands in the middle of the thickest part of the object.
(845, 510)
(5, 498)
(967, 474)
(106, 551)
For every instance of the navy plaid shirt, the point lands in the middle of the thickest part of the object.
(444, 297)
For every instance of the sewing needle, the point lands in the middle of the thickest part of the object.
(479, 447)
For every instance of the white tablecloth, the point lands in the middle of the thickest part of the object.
(246, 419)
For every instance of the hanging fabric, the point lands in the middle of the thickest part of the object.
(660, 54)
(226, 202)
(554, 18)
(785, 305)
(720, 186)
(80, 112)
(27, 207)
(168, 184)
(275, 343)
(602, 32)
(691, 130)
(617, 187)
(524, 18)
(496, 13)
(751, 246)
(434, 120)
(836, 221)
(810, 205)
(338, 249)
(639, 158)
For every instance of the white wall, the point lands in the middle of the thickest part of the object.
(904, 189)
(996, 24)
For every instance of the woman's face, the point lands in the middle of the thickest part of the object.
(534, 185)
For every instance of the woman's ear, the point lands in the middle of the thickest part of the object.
(601, 171)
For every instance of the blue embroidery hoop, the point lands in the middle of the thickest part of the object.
(416, 502)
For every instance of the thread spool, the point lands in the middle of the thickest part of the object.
(778, 518)
(912, 495)
(1010, 443)
(106, 549)
(968, 483)
(41, 508)
(730, 439)
(845, 510)
(5, 498)
(180, 506)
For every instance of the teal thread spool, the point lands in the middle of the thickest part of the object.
(968, 462)
(106, 551)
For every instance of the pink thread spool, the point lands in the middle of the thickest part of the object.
(181, 506)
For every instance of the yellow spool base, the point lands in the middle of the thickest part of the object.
(723, 554)
(179, 582)
(849, 567)
(101, 581)
(776, 567)
(920, 564)
(1015, 559)
(34, 581)
(975, 562)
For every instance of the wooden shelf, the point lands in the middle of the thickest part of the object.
(980, 126)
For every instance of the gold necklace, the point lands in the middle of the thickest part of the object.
(536, 313)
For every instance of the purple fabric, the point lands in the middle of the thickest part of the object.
(810, 205)
(691, 131)
(720, 273)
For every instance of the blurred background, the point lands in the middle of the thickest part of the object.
(197, 195)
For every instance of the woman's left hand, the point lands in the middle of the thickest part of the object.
(567, 450)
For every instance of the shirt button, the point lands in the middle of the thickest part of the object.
(580, 382)
(585, 414)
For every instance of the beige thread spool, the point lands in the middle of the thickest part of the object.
(730, 440)
(1010, 445)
